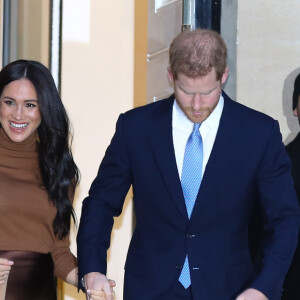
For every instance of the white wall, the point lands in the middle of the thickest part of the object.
(97, 85)
(268, 48)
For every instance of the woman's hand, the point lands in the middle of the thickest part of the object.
(100, 295)
(5, 266)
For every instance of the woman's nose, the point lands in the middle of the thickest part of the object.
(18, 112)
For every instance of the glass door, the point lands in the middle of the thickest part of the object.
(26, 30)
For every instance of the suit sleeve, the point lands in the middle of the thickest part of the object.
(281, 215)
(104, 202)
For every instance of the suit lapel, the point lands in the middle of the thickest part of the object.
(161, 140)
(220, 157)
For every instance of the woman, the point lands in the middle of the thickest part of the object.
(38, 177)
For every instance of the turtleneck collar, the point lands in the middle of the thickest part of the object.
(29, 145)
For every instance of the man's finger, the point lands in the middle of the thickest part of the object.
(112, 283)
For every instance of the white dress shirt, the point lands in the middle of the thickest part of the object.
(182, 127)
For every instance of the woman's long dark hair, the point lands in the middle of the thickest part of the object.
(60, 174)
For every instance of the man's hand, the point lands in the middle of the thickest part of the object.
(252, 294)
(5, 266)
(98, 287)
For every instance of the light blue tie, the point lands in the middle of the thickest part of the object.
(190, 182)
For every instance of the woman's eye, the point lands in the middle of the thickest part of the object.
(9, 102)
(30, 105)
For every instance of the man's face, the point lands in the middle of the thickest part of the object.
(197, 97)
(297, 110)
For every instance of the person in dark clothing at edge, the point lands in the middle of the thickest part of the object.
(291, 287)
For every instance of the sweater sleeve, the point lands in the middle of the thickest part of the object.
(64, 260)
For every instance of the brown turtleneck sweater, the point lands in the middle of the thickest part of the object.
(26, 214)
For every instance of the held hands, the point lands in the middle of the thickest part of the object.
(252, 294)
(5, 266)
(98, 287)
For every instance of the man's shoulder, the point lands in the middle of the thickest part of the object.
(143, 111)
(245, 113)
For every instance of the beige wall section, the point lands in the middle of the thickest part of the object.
(267, 55)
(33, 29)
(140, 52)
(97, 85)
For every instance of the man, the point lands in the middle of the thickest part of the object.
(194, 190)
(291, 288)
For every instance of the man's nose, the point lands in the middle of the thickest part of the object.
(197, 101)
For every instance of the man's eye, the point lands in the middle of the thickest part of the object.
(209, 92)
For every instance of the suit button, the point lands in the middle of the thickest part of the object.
(190, 236)
(178, 267)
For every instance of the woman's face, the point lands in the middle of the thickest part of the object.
(19, 110)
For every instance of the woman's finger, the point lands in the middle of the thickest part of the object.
(4, 274)
(96, 295)
(4, 268)
(6, 262)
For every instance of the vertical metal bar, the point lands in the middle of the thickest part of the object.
(56, 41)
(188, 15)
(6, 32)
(201, 14)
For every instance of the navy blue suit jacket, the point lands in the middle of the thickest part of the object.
(247, 165)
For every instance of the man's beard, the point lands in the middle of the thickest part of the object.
(188, 111)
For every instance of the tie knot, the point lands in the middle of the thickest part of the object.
(196, 126)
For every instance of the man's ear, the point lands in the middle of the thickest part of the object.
(170, 75)
(224, 76)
